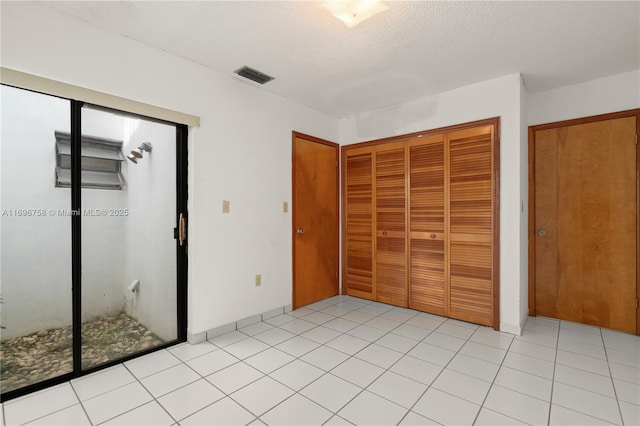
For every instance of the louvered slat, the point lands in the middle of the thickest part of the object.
(427, 291)
(391, 259)
(359, 223)
(471, 225)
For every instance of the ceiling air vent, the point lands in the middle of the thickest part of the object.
(254, 75)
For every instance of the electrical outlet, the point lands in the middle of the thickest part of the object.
(258, 280)
(225, 206)
(285, 207)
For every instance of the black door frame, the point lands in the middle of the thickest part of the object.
(76, 248)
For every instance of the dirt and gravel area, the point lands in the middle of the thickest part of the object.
(48, 353)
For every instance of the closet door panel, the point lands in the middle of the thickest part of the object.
(359, 236)
(390, 217)
(427, 266)
(471, 209)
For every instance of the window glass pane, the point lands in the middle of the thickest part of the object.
(35, 249)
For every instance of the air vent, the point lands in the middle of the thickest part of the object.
(254, 75)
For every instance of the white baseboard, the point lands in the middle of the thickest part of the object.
(511, 328)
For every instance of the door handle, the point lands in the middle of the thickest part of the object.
(542, 232)
(300, 231)
(181, 230)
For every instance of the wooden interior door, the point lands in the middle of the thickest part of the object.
(315, 219)
(358, 222)
(471, 225)
(390, 223)
(586, 223)
(427, 211)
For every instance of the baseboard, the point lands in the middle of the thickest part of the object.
(196, 338)
(218, 331)
(248, 321)
(523, 321)
(235, 325)
(511, 328)
(272, 313)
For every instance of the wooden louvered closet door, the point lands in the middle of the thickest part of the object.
(471, 224)
(358, 216)
(421, 222)
(428, 270)
(391, 220)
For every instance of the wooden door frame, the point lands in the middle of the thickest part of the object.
(336, 147)
(532, 197)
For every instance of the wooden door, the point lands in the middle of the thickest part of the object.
(358, 222)
(472, 230)
(315, 219)
(427, 211)
(586, 224)
(390, 223)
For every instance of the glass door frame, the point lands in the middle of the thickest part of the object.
(180, 235)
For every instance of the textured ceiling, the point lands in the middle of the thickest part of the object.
(415, 48)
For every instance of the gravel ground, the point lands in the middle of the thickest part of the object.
(48, 353)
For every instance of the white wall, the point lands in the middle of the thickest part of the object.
(610, 94)
(499, 97)
(241, 152)
(524, 206)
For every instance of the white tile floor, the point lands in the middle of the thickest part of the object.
(350, 361)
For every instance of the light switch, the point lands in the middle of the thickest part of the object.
(225, 206)
(285, 207)
(258, 280)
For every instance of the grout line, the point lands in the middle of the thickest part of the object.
(441, 370)
(613, 383)
(81, 404)
(493, 383)
(350, 356)
(295, 392)
(553, 376)
(52, 412)
(153, 398)
(373, 306)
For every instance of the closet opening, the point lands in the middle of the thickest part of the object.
(421, 221)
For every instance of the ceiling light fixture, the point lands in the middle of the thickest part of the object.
(352, 12)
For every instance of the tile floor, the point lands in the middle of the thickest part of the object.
(350, 361)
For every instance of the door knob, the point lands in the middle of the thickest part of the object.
(300, 231)
(542, 232)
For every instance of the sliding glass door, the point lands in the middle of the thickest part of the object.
(128, 247)
(93, 254)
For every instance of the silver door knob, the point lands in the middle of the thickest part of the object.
(300, 231)
(542, 232)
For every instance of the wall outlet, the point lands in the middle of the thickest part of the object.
(225, 206)
(258, 280)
